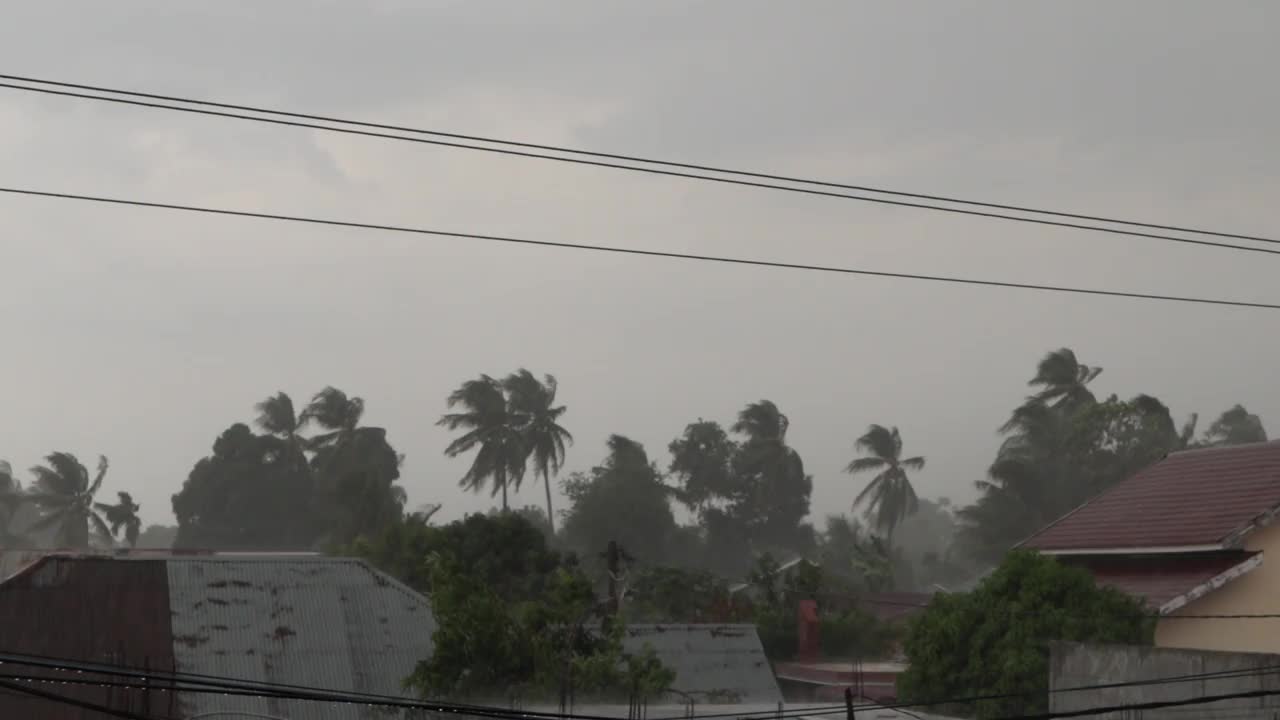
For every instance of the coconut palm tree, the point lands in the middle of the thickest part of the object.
(537, 416)
(276, 417)
(11, 498)
(492, 431)
(65, 493)
(890, 495)
(773, 490)
(123, 514)
(1063, 380)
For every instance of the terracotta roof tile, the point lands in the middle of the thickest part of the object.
(1191, 498)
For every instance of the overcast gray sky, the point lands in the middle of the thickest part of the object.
(142, 334)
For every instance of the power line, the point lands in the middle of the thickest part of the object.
(202, 683)
(634, 251)
(1153, 705)
(636, 168)
(82, 704)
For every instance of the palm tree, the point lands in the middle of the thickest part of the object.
(338, 414)
(276, 417)
(64, 491)
(123, 514)
(534, 406)
(1236, 426)
(1063, 380)
(11, 498)
(890, 493)
(492, 431)
(773, 487)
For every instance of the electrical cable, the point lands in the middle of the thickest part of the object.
(636, 251)
(615, 156)
(82, 704)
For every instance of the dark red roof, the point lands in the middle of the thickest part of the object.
(1157, 579)
(1191, 498)
(893, 606)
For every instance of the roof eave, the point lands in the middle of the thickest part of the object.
(1135, 550)
(1213, 583)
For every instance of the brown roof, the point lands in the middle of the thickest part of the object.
(1191, 498)
(1169, 581)
(894, 606)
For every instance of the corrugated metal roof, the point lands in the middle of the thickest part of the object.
(713, 663)
(319, 622)
(1191, 498)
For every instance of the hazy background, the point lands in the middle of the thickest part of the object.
(142, 334)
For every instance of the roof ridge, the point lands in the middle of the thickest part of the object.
(1220, 448)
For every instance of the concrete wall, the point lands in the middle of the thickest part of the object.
(1255, 593)
(1075, 665)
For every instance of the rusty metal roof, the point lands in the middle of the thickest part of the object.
(713, 663)
(1191, 500)
(333, 623)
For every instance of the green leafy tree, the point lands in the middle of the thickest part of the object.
(65, 495)
(624, 500)
(1236, 426)
(538, 418)
(889, 496)
(702, 463)
(493, 431)
(250, 493)
(1006, 623)
(489, 643)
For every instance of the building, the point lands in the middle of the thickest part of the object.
(1189, 535)
(718, 664)
(311, 621)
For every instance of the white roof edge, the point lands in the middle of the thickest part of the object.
(1213, 583)
(1135, 550)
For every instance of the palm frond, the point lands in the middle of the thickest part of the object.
(875, 486)
(100, 528)
(864, 464)
(914, 463)
(276, 415)
(97, 480)
(878, 441)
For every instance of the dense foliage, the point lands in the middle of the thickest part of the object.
(994, 640)
(283, 489)
(515, 619)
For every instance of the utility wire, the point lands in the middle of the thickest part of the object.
(636, 168)
(634, 251)
(74, 702)
(1154, 705)
(194, 682)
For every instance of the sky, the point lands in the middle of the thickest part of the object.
(142, 334)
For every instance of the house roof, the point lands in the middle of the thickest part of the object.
(712, 663)
(894, 606)
(313, 621)
(1191, 500)
(1168, 582)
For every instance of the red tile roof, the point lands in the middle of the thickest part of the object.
(1191, 498)
(1160, 580)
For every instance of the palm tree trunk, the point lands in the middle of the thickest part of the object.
(551, 520)
(502, 480)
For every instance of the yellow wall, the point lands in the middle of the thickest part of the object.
(1257, 592)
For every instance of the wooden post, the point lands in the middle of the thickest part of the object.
(848, 703)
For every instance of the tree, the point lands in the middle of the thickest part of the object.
(890, 494)
(534, 405)
(492, 430)
(1007, 621)
(1236, 426)
(522, 631)
(277, 418)
(122, 515)
(250, 493)
(65, 494)
(11, 499)
(623, 499)
(1063, 380)
(772, 494)
(702, 463)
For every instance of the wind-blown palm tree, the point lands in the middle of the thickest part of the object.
(1063, 380)
(890, 495)
(773, 485)
(533, 404)
(63, 490)
(11, 498)
(123, 514)
(492, 431)
(276, 416)
(338, 414)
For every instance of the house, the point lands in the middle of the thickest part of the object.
(303, 620)
(1190, 536)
